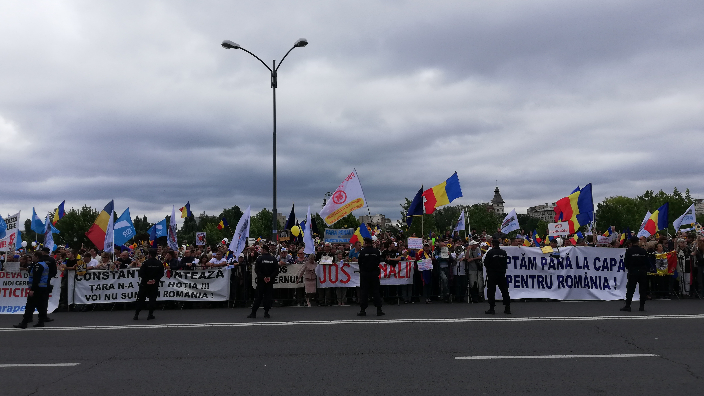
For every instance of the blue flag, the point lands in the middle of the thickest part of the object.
(124, 229)
(416, 208)
(158, 230)
(37, 224)
(3, 227)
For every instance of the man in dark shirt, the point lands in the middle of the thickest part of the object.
(369, 259)
(637, 264)
(187, 261)
(151, 271)
(495, 263)
(124, 260)
(266, 268)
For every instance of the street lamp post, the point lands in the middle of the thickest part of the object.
(227, 44)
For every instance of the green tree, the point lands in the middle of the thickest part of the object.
(73, 227)
(260, 224)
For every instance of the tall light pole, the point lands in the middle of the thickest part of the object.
(227, 44)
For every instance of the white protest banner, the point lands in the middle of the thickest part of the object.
(347, 198)
(559, 229)
(97, 287)
(603, 240)
(13, 292)
(200, 238)
(342, 235)
(346, 274)
(9, 242)
(415, 243)
(13, 222)
(286, 279)
(569, 273)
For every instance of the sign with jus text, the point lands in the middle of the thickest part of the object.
(345, 274)
(569, 273)
(97, 287)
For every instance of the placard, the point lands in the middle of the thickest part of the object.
(559, 229)
(200, 238)
(415, 243)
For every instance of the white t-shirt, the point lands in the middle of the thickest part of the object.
(93, 263)
(215, 261)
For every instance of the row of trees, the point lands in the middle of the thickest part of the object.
(619, 211)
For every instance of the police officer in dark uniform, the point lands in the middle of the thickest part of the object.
(369, 259)
(38, 292)
(637, 263)
(51, 263)
(150, 273)
(496, 262)
(266, 268)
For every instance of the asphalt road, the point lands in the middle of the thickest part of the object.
(327, 350)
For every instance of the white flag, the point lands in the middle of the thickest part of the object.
(171, 237)
(308, 235)
(460, 223)
(239, 239)
(48, 235)
(641, 231)
(689, 217)
(510, 222)
(347, 198)
(109, 244)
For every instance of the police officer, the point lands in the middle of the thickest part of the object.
(38, 292)
(51, 263)
(495, 262)
(150, 273)
(266, 268)
(637, 263)
(369, 259)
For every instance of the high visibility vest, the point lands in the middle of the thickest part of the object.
(44, 280)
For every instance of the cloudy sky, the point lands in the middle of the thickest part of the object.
(137, 101)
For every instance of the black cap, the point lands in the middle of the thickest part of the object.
(46, 249)
(368, 240)
(495, 242)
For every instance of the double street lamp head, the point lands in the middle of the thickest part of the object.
(227, 44)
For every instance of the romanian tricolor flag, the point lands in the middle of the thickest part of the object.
(361, 233)
(623, 239)
(526, 242)
(222, 224)
(608, 232)
(536, 238)
(59, 213)
(442, 194)
(97, 231)
(186, 210)
(576, 209)
(576, 237)
(658, 219)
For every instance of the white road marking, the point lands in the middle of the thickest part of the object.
(39, 365)
(617, 355)
(265, 322)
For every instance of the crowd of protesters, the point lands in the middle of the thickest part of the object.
(457, 274)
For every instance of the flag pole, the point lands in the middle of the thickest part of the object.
(365, 196)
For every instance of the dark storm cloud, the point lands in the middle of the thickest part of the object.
(137, 101)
